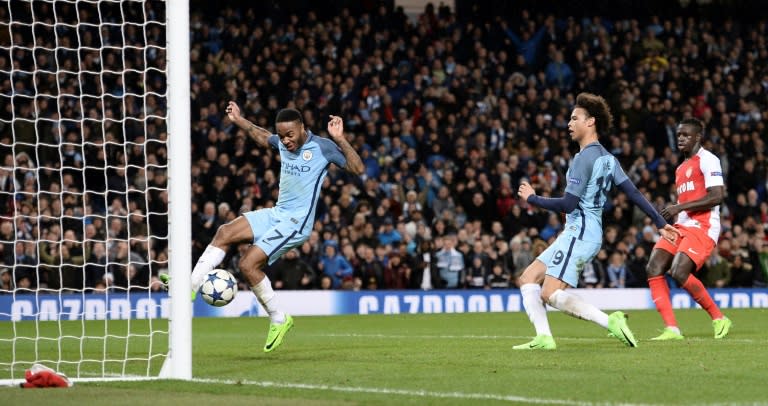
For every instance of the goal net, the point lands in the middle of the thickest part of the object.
(84, 189)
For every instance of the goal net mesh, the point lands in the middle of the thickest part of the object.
(83, 187)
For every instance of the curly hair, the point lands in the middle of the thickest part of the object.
(596, 107)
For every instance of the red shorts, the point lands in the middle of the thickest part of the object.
(693, 242)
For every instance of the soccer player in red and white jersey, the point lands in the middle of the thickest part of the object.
(700, 190)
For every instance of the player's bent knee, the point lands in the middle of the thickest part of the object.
(680, 275)
(220, 238)
(253, 262)
(654, 269)
(247, 264)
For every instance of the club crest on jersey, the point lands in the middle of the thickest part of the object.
(688, 172)
(306, 155)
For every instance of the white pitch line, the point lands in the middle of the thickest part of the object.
(501, 337)
(417, 393)
(440, 395)
(389, 391)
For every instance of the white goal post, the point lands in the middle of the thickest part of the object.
(95, 190)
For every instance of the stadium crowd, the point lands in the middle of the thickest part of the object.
(448, 113)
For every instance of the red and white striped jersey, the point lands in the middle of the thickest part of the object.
(692, 178)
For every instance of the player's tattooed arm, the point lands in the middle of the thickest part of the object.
(258, 134)
(336, 130)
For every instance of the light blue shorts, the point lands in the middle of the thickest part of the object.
(566, 257)
(275, 235)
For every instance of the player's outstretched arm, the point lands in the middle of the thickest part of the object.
(258, 134)
(565, 204)
(336, 131)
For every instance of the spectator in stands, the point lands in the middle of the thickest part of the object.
(334, 265)
(397, 274)
(292, 273)
(450, 265)
(559, 73)
(370, 274)
(477, 273)
(7, 239)
(7, 284)
(742, 272)
(593, 275)
(636, 267)
(716, 272)
(499, 278)
(425, 274)
(387, 233)
(616, 270)
(96, 265)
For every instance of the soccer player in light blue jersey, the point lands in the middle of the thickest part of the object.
(304, 160)
(590, 177)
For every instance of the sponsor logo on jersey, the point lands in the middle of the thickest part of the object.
(306, 155)
(686, 186)
(716, 174)
(294, 169)
(575, 181)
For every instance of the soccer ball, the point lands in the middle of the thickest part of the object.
(219, 288)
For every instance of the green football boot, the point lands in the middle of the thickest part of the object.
(617, 325)
(166, 280)
(721, 326)
(668, 334)
(540, 342)
(277, 333)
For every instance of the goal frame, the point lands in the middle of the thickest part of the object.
(178, 364)
(178, 361)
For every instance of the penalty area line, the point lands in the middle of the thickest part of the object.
(408, 392)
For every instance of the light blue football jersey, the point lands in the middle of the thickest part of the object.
(591, 177)
(301, 177)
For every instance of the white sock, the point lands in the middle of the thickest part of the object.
(265, 295)
(537, 313)
(576, 307)
(211, 258)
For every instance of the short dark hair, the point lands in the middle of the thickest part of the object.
(288, 115)
(596, 107)
(696, 123)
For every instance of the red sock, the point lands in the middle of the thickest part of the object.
(660, 296)
(699, 293)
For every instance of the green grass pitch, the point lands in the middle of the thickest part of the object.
(429, 359)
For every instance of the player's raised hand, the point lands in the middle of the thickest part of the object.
(233, 111)
(525, 190)
(336, 128)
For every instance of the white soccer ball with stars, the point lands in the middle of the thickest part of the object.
(219, 288)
